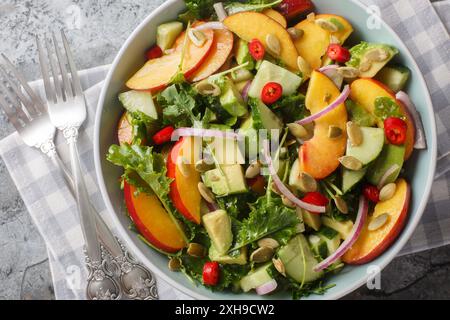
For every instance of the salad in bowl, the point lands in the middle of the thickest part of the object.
(262, 150)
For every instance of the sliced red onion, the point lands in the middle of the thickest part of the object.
(353, 236)
(329, 67)
(389, 172)
(267, 287)
(283, 189)
(213, 25)
(420, 141)
(332, 73)
(220, 11)
(206, 133)
(246, 89)
(212, 206)
(336, 103)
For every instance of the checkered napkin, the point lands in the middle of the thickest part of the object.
(54, 211)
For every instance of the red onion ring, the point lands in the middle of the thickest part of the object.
(420, 140)
(283, 189)
(386, 175)
(332, 73)
(267, 287)
(246, 89)
(212, 206)
(336, 103)
(220, 11)
(213, 25)
(208, 133)
(353, 236)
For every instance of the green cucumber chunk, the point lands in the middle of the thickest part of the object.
(371, 146)
(167, 33)
(256, 278)
(395, 77)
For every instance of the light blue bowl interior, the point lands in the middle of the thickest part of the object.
(131, 57)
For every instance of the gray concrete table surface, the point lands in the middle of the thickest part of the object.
(97, 30)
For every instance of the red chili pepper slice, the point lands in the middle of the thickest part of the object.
(211, 273)
(371, 193)
(338, 53)
(163, 135)
(395, 130)
(315, 198)
(271, 92)
(154, 52)
(256, 49)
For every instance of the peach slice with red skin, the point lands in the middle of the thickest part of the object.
(371, 244)
(183, 189)
(153, 221)
(365, 91)
(319, 155)
(156, 73)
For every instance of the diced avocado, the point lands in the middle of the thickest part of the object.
(243, 54)
(351, 177)
(371, 146)
(226, 151)
(139, 101)
(311, 220)
(395, 77)
(390, 155)
(231, 100)
(231, 182)
(269, 72)
(240, 75)
(331, 237)
(318, 246)
(167, 33)
(294, 180)
(218, 226)
(299, 260)
(241, 85)
(359, 54)
(227, 259)
(256, 278)
(359, 115)
(343, 227)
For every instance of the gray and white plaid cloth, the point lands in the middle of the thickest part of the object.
(54, 211)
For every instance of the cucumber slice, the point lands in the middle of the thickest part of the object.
(395, 77)
(256, 278)
(342, 227)
(167, 33)
(139, 101)
(371, 146)
(351, 177)
(391, 155)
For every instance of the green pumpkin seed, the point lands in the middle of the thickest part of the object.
(205, 192)
(196, 250)
(351, 163)
(262, 254)
(174, 264)
(387, 192)
(341, 205)
(334, 132)
(268, 242)
(297, 130)
(295, 33)
(273, 44)
(354, 134)
(378, 222)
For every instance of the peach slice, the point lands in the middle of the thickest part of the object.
(365, 91)
(157, 73)
(153, 221)
(275, 15)
(183, 189)
(221, 49)
(319, 155)
(371, 244)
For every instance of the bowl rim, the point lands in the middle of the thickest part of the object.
(387, 256)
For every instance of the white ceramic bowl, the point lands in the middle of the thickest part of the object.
(131, 56)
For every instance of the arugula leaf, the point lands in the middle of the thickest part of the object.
(252, 5)
(266, 217)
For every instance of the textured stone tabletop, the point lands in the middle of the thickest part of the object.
(97, 30)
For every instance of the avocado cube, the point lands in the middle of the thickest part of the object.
(342, 227)
(243, 54)
(218, 226)
(231, 100)
(241, 259)
(232, 180)
(167, 33)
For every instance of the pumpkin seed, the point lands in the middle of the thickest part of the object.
(203, 166)
(304, 66)
(205, 192)
(196, 250)
(253, 170)
(377, 55)
(268, 242)
(262, 254)
(351, 163)
(279, 266)
(295, 33)
(197, 37)
(326, 25)
(306, 182)
(273, 44)
(365, 65)
(311, 17)
(297, 130)
(174, 264)
(334, 132)
(378, 222)
(348, 72)
(354, 134)
(341, 205)
(287, 202)
(387, 192)
(207, 88)
(183, 166)
(327, 97)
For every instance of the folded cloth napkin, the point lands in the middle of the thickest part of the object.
(54, 211)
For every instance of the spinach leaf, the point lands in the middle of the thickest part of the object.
(291, 108)
(386, 107)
